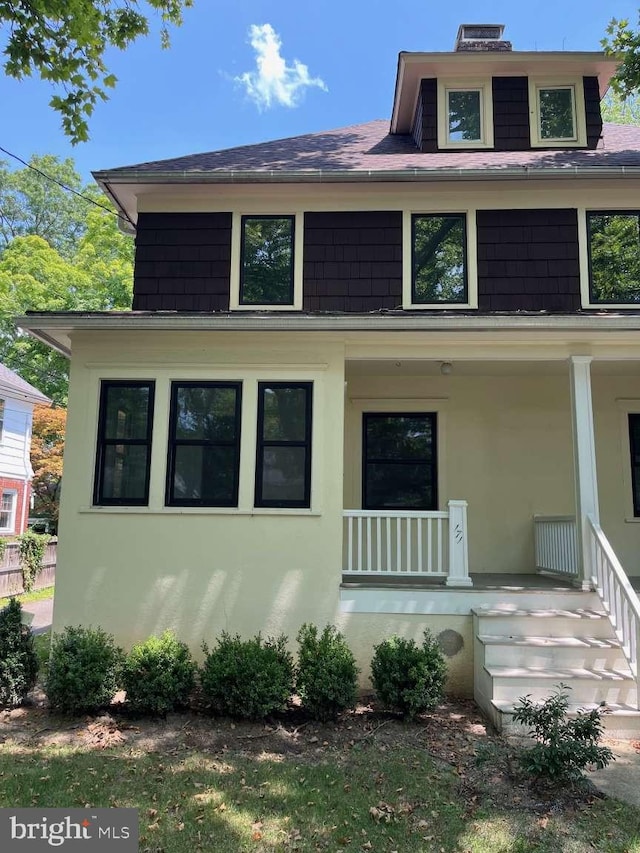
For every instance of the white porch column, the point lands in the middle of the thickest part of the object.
(584, 462)
(458, 551)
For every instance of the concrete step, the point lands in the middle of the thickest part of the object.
(620, 720)
(543, 622)
(539, 652)
(587, 685)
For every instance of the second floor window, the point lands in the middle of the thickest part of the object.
(266, 257)
(204, 444)
(613, 239)
(124, 443)
(438, 247)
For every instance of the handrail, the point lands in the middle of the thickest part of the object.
(618, 597)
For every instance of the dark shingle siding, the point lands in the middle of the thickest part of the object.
(183, 262)
(593, 112)
(528, 260)
(511, 114)
(429, 97)
(352, 261)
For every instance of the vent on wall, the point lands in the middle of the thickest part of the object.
(481, 37)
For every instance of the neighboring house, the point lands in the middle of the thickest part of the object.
(17, 399)
(378, 376)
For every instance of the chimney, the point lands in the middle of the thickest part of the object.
(481, 37)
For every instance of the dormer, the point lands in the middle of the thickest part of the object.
(484, 95)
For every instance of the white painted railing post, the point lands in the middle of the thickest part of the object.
(458, 550)
(584, 463)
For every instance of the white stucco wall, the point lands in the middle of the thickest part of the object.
(504, 446)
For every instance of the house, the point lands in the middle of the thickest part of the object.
(17, 399)
(385, 376)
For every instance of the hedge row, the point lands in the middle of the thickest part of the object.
(247, 679)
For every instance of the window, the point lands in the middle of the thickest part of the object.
(557, 113)
(266, 260)
(283, 464)
(8, 511)
(613, 245)
(438, 258)
(465, 115)
(124, 443)
(1, 419)
(204, 444)
(399, 468)
(634, 444)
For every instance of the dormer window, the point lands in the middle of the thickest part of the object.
(465, 114)
(557, 113)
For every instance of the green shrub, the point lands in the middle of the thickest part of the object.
(409, 677)
(31, 547)
(158, 675)
(247, 678)
(565, 746)
(84, 670)
(326, 676)
(18, 660)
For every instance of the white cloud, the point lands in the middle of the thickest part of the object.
(274, 82)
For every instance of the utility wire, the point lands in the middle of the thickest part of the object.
(59, 183)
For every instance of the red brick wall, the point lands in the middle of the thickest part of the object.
(19, 486)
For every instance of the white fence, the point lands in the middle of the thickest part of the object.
(555, 544)
(408, 544)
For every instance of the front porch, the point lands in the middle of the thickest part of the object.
(513, 458)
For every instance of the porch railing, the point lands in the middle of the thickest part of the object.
(618, 597)
(555, 544)
(408, 544)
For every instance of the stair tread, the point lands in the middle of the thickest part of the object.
(549, 642)
(507, 707)
(578, 613)
(557, 672)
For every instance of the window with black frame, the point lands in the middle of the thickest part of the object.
(399, 469)
(266, 250)
(204, 444)
(439, 258)
(634, 446)
(124, 443)
(283, 463)
(613, 239)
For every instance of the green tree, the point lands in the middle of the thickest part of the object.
(623, 42)
(31, 204)
(65, 43)
(619, 109)
(58, 252)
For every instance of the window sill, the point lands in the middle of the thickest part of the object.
(195, 510)
(635, 520)
(233, 308)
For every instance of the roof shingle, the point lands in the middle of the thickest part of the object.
(370, 147)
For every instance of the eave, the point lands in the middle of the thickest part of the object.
(124, 190)
(56, 330)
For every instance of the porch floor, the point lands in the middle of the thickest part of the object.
(511, 581)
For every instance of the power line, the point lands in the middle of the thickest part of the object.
(59, 183)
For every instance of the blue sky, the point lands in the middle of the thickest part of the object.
(324, 64)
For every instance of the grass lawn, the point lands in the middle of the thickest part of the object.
(368, 783)
(28, 597)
